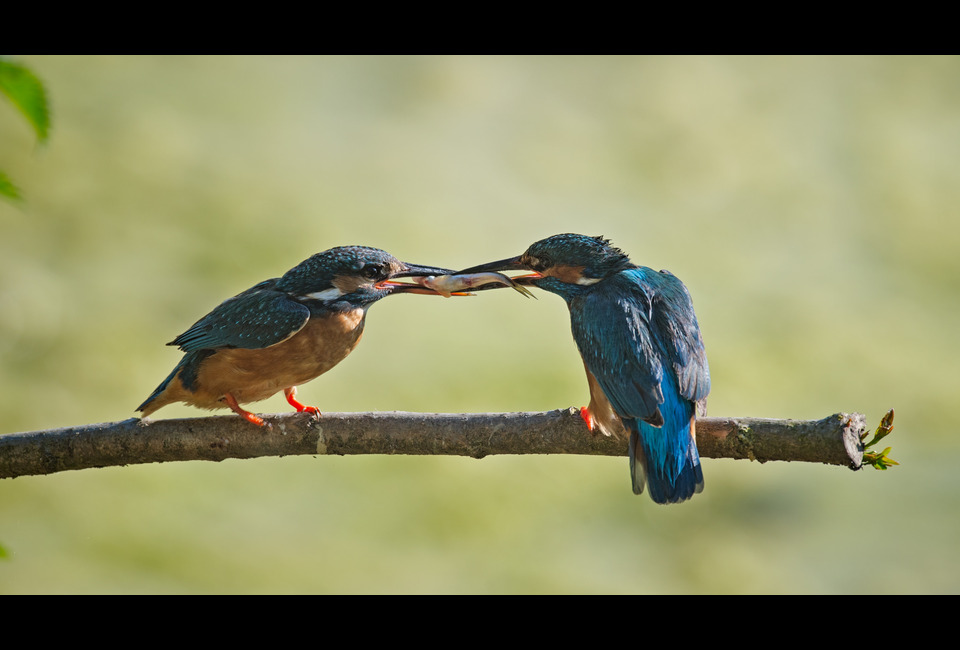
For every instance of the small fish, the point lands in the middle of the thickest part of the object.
(448, 285)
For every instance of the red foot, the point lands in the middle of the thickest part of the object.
(291, 394)
(587, 417)
(246, 415)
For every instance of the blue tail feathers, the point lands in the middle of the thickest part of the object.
(672, 482)
(666, 458)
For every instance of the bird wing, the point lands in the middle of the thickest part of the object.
(257, 318)
(676, 327)
(611, 325)
(628, 328)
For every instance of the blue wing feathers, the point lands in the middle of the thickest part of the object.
(675, 319)
(613, 335)
(257, 318)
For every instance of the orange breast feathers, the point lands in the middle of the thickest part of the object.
(254, 375)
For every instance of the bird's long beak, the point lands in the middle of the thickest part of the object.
(509, 264)
(416, 271)
(444, 282)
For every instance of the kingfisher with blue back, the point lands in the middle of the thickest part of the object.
(287, 331)
(642, 350)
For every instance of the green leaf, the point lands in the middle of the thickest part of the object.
(7, 189)
(878, 460)
(28, 94)
(3, 552)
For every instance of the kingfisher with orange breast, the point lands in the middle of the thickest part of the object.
(287, 331)
(642, 350)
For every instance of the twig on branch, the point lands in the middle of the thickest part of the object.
(834, 440)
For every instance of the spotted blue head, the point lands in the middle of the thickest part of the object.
(571, 260)
(353, 275)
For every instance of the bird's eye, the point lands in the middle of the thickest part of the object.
(536, 263)
(372, 271)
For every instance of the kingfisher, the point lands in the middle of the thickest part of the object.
(642, 351)
(285, 331)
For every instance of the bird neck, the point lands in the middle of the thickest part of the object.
(565, 290)
(324, 305)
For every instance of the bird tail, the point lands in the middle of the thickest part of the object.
(149, 405)
(665, 458)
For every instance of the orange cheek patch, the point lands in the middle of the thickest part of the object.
(568, 274)
(347, 284)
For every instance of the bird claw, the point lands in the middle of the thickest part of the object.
(255, 419)
(291, 394)
(587, 417)
(313, 411)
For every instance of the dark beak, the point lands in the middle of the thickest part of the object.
(444, 282)
(510, 264)
(414, 271)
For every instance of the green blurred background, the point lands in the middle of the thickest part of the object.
(809, 204)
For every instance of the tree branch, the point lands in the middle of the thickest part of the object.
(834, 440)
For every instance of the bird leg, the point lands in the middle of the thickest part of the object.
(291, 394)
(246, 415)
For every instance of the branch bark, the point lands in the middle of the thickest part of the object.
(834, 440)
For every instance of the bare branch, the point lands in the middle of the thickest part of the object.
(834, 440)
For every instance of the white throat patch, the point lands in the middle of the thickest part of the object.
(326, 295)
